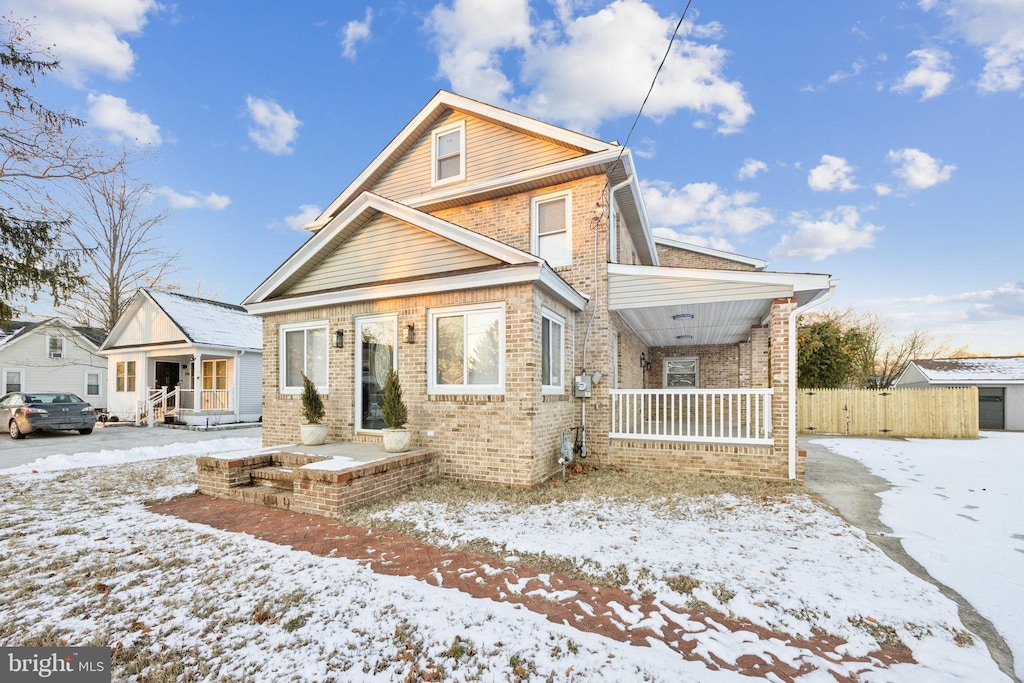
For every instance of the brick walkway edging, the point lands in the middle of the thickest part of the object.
(594, 609)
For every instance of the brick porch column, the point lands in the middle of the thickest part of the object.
(782, 431)
(759, 357)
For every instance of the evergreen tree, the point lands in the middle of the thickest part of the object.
(312, 402)
(394, 410)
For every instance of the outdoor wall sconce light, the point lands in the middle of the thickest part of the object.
(645, 365)
(409, 334)
(339, 339)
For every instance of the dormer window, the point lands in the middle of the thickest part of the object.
(449, 154)
(551, 228)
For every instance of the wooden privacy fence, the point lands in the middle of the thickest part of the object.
(939, 413)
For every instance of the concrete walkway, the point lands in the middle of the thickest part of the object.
(852, 490)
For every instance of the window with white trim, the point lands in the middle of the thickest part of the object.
(448, 154)
(54, 346)
(124, 379)
(552, 350)
(303, 350)
(466, 350)
(551, 228)
(92, 383)
(14, 380)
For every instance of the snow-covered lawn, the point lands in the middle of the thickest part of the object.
(958, 509)
(82, 559)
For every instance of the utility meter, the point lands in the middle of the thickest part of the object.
(583, 386)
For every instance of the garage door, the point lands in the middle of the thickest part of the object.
(990, 407)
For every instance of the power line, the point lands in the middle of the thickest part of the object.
(656, 74)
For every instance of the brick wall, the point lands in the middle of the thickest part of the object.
(673, 257)
(719, 365)
(742, 461)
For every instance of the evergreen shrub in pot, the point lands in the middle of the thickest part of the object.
(397, 436)
(313, 432)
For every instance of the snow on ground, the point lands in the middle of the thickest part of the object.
(956, 504)
(82, 559)
(789, 565)
(235, 447)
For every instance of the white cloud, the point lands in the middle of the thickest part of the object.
(918, 169)
(883, 190)
(832, 173)
(932, 73)
(856, 69)
(833, 232)
(88, 37)
(996, 28)
(114, 115)
(275, 128)
(703, 208)
(750, 169)
(1005, 301)
(307, 213)
(355, 32)
(584, 69)
(193, 200)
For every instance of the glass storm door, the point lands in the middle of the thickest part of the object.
(376, 353)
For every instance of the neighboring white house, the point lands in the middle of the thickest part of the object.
(197, 360)
(1000, 383)
(53, 355)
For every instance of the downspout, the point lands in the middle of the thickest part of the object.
(597, 296)
(792, 372)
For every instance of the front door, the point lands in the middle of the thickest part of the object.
(167, 375)
(376, 353)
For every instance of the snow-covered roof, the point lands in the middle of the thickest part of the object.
(970, 370)
(10, 330)
(212, 323)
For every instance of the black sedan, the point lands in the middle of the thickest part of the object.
(25, 412)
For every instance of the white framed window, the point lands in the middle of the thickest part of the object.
(302, 349)
(14, 380)
(682, 373)
(92, 383)
(466, 350)
(124, 379)
(448, 154)
(54, 346)
(552, 352)
(551, 228)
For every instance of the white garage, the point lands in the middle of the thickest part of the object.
(1000, 383)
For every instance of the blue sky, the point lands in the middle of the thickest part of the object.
(877, 141)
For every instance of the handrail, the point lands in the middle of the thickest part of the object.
(737, 416)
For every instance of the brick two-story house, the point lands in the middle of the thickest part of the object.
(492, 259)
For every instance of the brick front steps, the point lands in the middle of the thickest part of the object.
(315, 484)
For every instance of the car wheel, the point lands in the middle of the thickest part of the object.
(85, 431)
(14, 431)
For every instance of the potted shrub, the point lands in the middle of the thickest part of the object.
(313, 432)
(396, 436)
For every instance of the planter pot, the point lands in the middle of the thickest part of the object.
(397, 440)
(313, 435)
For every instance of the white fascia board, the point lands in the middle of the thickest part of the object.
(446, 100)
(729, 256)
(641, 207)
(798, 281)
(521, 178)
(179, 345)
(553, 282)
(530, 272)
(368, 201)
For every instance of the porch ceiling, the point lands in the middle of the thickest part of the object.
(724, 304)
(725, 322)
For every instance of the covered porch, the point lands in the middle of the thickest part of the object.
(705, 363)
(190, 386)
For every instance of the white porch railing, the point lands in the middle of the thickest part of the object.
(221, 400)
(161, 401)
(737, 416)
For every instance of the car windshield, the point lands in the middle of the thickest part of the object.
(37, 399)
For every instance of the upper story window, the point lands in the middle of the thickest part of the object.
(551, 228)
(303, 350)
(466, 350)
(54, 346)
(448, 154)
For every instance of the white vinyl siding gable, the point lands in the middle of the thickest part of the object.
(148, 325)
(388, 249)
(491, 151)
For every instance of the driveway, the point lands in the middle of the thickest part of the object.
(43, 444)
(850, 487)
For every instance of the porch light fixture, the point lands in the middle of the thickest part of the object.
(645, 365)
(683, 316)
(409, 334)
(684, 337)
(339, 339)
